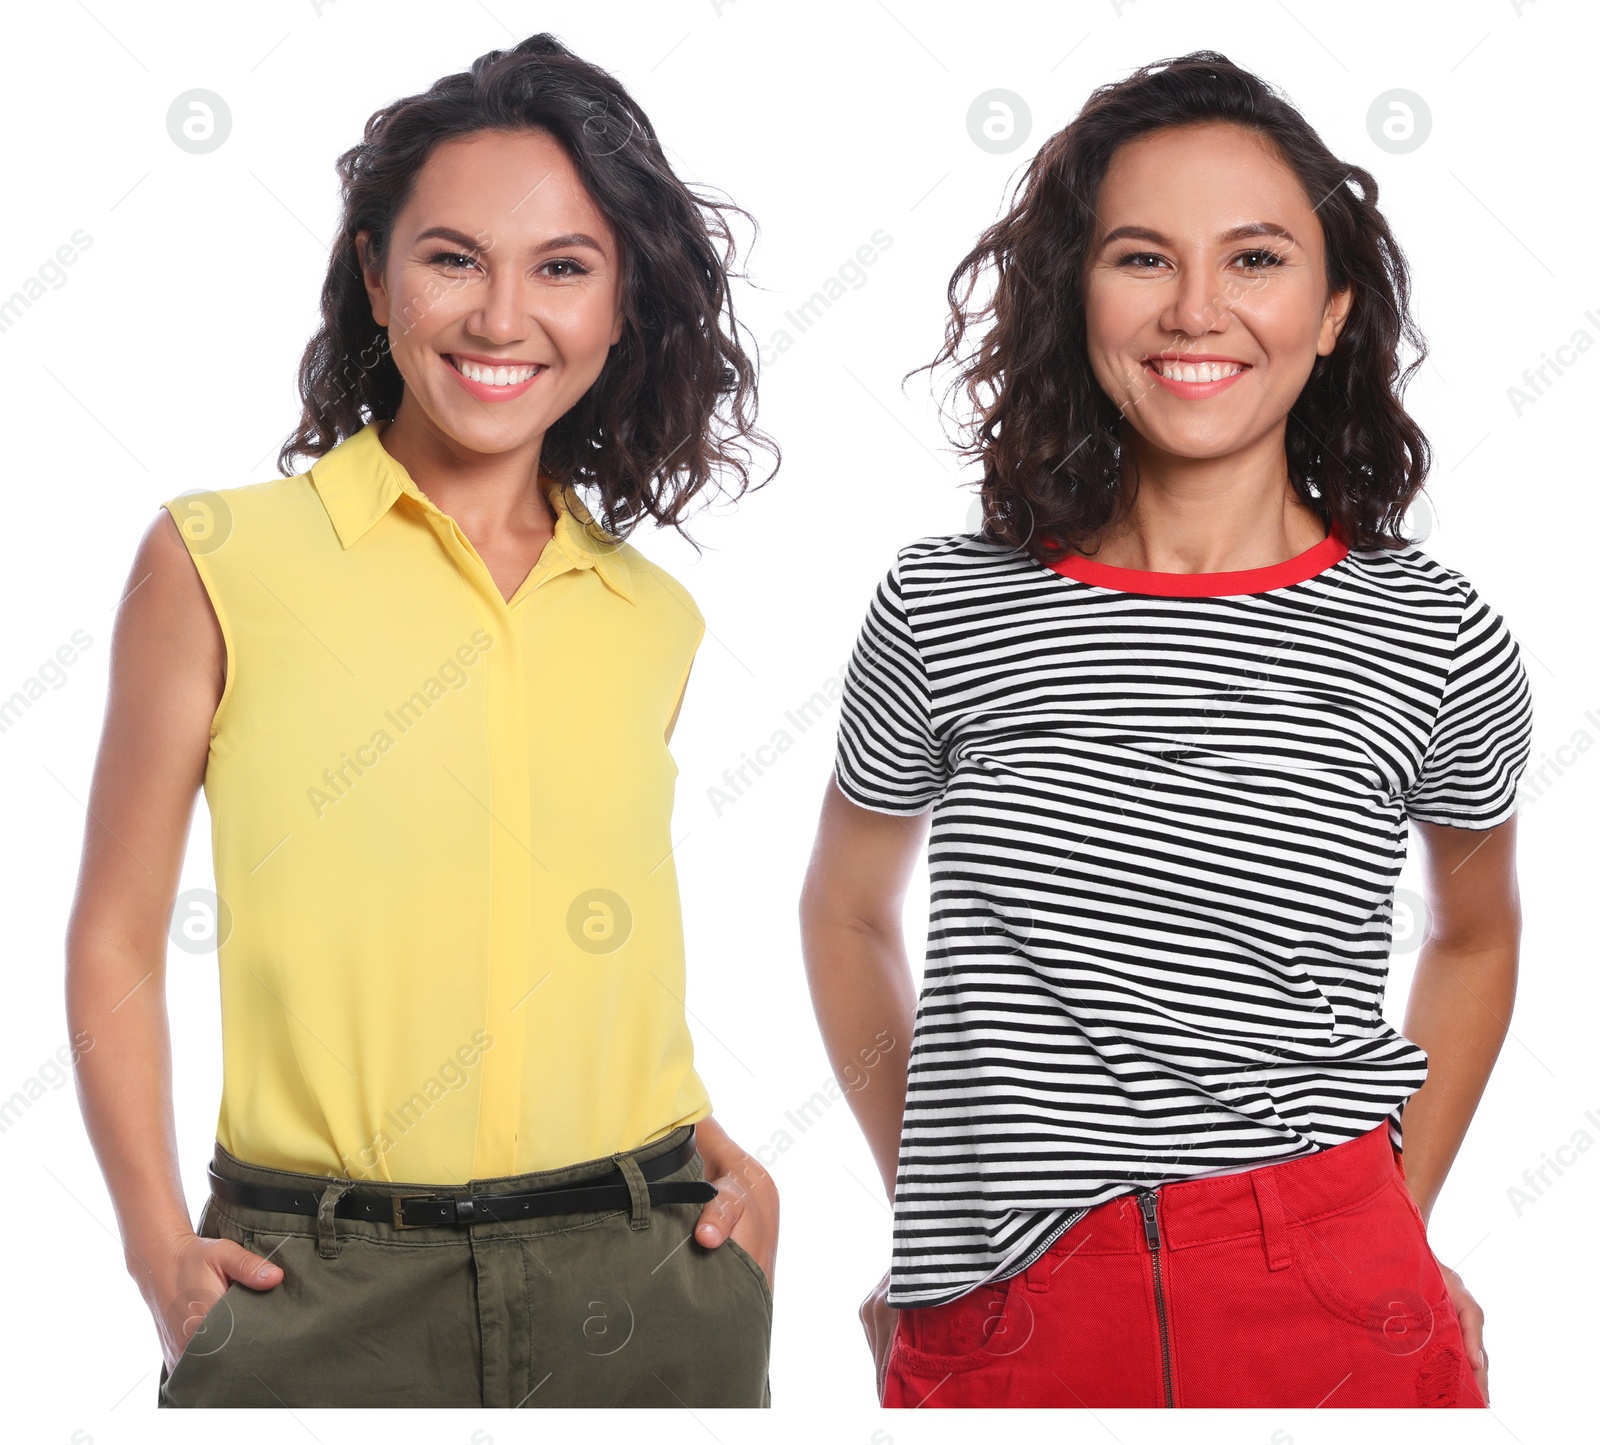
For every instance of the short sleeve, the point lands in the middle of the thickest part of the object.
(888, 756)
(1483, 732)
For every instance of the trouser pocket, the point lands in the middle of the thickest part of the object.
(215, 1332)
(378, 1324)
(938, 1351)
(1370, 1266)
(646, 1317)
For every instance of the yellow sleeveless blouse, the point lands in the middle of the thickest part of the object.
(450, 941)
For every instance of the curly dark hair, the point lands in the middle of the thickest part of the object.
(1048, 437)
(675, 402)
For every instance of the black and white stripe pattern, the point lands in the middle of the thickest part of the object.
(1165, 840)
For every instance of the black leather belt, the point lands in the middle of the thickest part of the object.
(418, 1211)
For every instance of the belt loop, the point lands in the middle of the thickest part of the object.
(327, 1236)
(638, 1190)
(1274, 1233)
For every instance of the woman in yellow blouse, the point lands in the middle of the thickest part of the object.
(462, 1151)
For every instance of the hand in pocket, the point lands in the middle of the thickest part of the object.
(746, 1207)
(185, 1286)
(879, 1321)
(1469, 1314)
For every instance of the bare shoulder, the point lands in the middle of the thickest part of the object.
(167, 634)
(167, 665)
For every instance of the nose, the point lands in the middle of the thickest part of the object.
(1197, 304)
(503, 315)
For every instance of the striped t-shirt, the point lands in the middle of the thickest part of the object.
(1169, 811)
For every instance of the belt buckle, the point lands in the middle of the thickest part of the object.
(400, 1200)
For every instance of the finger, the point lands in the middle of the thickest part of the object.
(1477, 1356)
(1471, 1318)
(249, 1268)
(884, 1353)
(1469, 1314)
(872, 1328)
(719, 1215)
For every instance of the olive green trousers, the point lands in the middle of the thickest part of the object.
(612, 1308)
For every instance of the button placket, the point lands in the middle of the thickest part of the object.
(512, 862)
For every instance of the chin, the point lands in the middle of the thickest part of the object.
(489, 434)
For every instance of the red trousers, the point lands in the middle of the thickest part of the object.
(1291, 1285)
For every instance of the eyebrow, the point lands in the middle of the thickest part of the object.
(1236, 233)
(469, 243)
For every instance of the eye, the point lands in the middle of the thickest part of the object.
(451, 256)
(1256, 260)
(577, 267)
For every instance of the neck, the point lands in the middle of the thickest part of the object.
(493, 491)
(1211, 514)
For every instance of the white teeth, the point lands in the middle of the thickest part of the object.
(495, 375)
(1201, 371)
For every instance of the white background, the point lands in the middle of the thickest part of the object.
(165, 362)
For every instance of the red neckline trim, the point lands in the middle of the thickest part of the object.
(1324, 554)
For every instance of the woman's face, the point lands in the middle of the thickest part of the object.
(1208, 254)
(499, 259)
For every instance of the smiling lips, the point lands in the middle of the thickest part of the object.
(1195, 377)
(491, 380)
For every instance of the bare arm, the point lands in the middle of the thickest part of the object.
(167, 665)
(852, 936)
(1459, 1011)
(1461, 997)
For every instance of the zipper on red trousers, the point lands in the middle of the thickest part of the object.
(1152, 1237)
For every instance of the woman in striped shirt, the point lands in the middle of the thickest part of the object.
(1174, 708)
